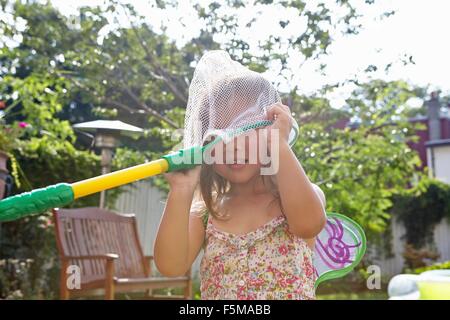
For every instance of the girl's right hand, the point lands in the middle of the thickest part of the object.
(184, 179)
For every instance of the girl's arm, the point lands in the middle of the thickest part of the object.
(303, 202)
(180, 234)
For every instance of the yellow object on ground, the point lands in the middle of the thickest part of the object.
(434, 290)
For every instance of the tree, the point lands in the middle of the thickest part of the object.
(362, 165)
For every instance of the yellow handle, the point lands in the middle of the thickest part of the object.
(118, 178)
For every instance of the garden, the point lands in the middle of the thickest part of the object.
(111, 62)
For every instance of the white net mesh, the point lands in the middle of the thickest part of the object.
(224, 95)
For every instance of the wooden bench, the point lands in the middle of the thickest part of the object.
(105, 246)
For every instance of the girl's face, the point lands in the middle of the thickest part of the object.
(240, 158)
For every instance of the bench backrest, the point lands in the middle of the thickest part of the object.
(94, 231)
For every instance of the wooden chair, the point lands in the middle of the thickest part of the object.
(106, 248)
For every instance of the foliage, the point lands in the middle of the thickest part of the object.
(362, 164)
(9, 139)
(45, 155)
(416, 258)
(10, 134)
(437, 266)
(31, 239)
(14, 278)
(135, 69)
(420, 209)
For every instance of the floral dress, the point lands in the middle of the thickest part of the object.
(266, 264)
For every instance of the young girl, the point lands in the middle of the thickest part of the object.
(257, 231)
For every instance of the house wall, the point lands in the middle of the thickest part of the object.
(440, 166)
(423, 135)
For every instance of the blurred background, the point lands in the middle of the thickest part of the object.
(367, 81)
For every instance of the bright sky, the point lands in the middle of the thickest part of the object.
(419, 28)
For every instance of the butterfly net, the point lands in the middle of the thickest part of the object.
(339, 247)
(224, 96)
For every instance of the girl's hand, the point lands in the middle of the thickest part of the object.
(281, 115)
(183, 179)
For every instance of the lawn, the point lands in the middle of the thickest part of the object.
(365, 295)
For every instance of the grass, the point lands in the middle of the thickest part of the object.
(365, 295)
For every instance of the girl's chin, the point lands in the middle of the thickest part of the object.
(237, 173)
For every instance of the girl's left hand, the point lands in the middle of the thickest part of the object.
(281, 115)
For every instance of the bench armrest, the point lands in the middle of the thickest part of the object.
(108, 256)
(108, 259)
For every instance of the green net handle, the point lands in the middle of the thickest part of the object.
(190, 157)
(184, 159)
(36, 201)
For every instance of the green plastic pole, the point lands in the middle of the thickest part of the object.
(36, 201)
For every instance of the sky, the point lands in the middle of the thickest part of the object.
(419, 28)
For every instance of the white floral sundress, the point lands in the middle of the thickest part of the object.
(266, 264)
